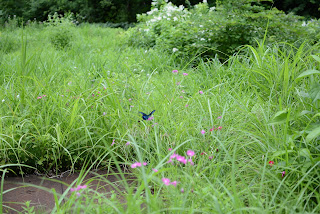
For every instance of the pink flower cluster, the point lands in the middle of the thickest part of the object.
(40, 97)
(79, 187)
(219, 128)
(181, 158)
(167, 182)
(138, 164)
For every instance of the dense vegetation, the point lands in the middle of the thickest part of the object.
(124, 11)
(236, 122)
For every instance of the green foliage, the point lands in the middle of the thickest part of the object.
(61, 33)
(8, 42)
(216, 30)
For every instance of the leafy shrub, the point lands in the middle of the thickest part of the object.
(215, 30)
(60, 30)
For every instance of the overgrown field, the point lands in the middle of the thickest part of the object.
(238, 136)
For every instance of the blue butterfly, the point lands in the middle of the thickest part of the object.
(146, 116)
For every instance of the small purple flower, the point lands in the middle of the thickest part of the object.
(203, 131)
(200, 92)
(185, 74)
(175, 71)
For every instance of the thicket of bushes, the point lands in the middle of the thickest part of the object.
(218, 30)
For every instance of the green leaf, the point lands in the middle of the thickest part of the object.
(279, 117)
(313, 134)
(307, 73)
(282, 152)
(315, 93)
(316, 58)
(305, 153)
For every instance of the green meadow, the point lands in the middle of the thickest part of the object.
(236, 135)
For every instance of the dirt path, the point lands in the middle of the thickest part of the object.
(22, 189)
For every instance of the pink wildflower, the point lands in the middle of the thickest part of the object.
(113, 142)
(185, 74)
(203, 131)
(154, 124)
(200, 92)
(211, 130)
(220, 127)
(150, 118)
(181, 159)
(134, 165)
(155, 170)
(131, 106)
(144, 163)
(190, 161)
(175, 71)
(174, 183)
(271, 163)
(181, 97)
(170, 149)
(203, 153)
(219, 117)
(130, 99)
(178, 83)
(39, 97)
(190, 153)
(187, 105)
(183, 91)
(210, 157)
(173, 156)
(104, 113)
(182, 190)
(283, 173)
(166, 181)
(128, 143)
(81, 187)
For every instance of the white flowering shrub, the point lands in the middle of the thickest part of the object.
(218, 30)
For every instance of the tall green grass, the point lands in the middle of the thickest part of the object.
(96, 87)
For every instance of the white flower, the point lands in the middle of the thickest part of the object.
(205, 1)
(174, 50)
(18, 96)
(146, 30)
(202, 39)
(175, 19)
(200, 25)
(181, 7)
(3, 100)
(168, 19)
